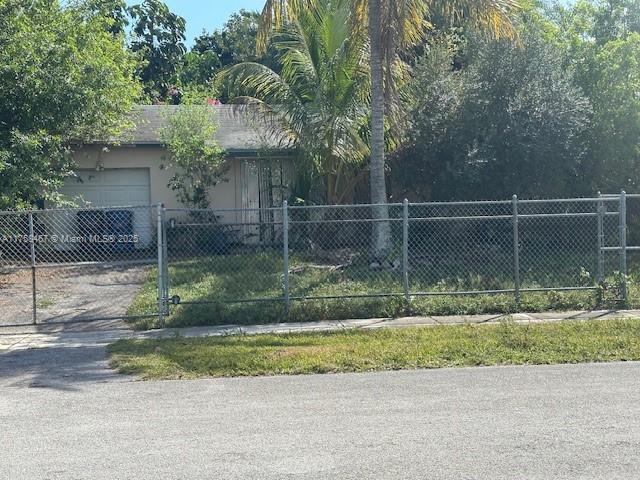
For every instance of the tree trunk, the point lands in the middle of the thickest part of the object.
(381, 226)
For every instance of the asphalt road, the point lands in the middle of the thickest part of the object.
(547, 422)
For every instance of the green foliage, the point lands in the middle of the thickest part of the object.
(158, 36)
(507, 343)
(219, 280)
(555, 114)
(199, 68)
(601, 42)
(233, 44)
(511, 121)
(113, 11)
(613, 83)
(320, 96)
(198, 161)
(68, 79)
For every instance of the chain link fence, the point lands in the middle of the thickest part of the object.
(303, 262)
(311, 262)
(74, 264)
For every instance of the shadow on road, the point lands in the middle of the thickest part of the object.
(60, 368)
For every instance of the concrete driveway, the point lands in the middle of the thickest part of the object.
(535, 422)
(66, 294)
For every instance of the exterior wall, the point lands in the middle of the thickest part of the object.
(225, 195)
(232, 193)
(243, 188)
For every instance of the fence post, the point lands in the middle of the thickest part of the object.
(516, 251)
(161, 300)
(165, 261)
(405, 249)
(600, 239)
(32, 247)
(623, 244)
(285, 253)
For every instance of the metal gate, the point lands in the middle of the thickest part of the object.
(71, 265)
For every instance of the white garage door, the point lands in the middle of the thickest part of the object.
(113, 187)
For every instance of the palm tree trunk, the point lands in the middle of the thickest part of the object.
(381, 226)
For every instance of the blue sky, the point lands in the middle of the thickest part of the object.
(206, 14)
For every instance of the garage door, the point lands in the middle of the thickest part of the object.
(113, 187)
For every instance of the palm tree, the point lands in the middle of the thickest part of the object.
(395, 25)
(321, 94)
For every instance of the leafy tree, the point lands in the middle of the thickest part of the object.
(198, 161)
(158, 37)
(199, 68)
(234, 43)
(115, 11)
(613, 86)
(393, 26)
(615, 19)
(512, 121)
(320, 95)
(69, 80)
(601, 42)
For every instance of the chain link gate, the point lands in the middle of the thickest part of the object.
(74, 265)
(217, 265)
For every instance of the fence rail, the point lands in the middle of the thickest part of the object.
(323, 252)
(90, 264)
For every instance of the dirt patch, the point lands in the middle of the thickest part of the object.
(69, 294)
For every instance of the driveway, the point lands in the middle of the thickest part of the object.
(74, 293)
(534, 422)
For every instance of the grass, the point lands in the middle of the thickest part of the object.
(45, 303)
(506, 343)
(219, 279)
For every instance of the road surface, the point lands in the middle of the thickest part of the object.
(535, 422)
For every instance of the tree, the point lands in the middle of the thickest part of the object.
(69, 80)
(615, 140)
(198, 161)
(114, 11)
(320, 96)
(199, 68)
(394, 25)
(601, 42)
(511, 121)
(158, 37)
(234, 43)
(615, 19)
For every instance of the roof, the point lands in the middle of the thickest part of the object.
(239, 129)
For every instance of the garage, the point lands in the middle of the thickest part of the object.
(113, 187)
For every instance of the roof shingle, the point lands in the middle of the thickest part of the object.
(238, 129)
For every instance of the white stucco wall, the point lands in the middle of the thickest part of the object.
(225, 195)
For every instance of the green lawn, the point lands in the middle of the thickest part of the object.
(220, 279)
(507, 343)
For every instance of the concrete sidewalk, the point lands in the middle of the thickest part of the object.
(68, 337)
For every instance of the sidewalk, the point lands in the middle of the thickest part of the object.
(63, 336)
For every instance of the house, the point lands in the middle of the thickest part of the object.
(130, 171)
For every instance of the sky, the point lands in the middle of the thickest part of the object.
(206, 14)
